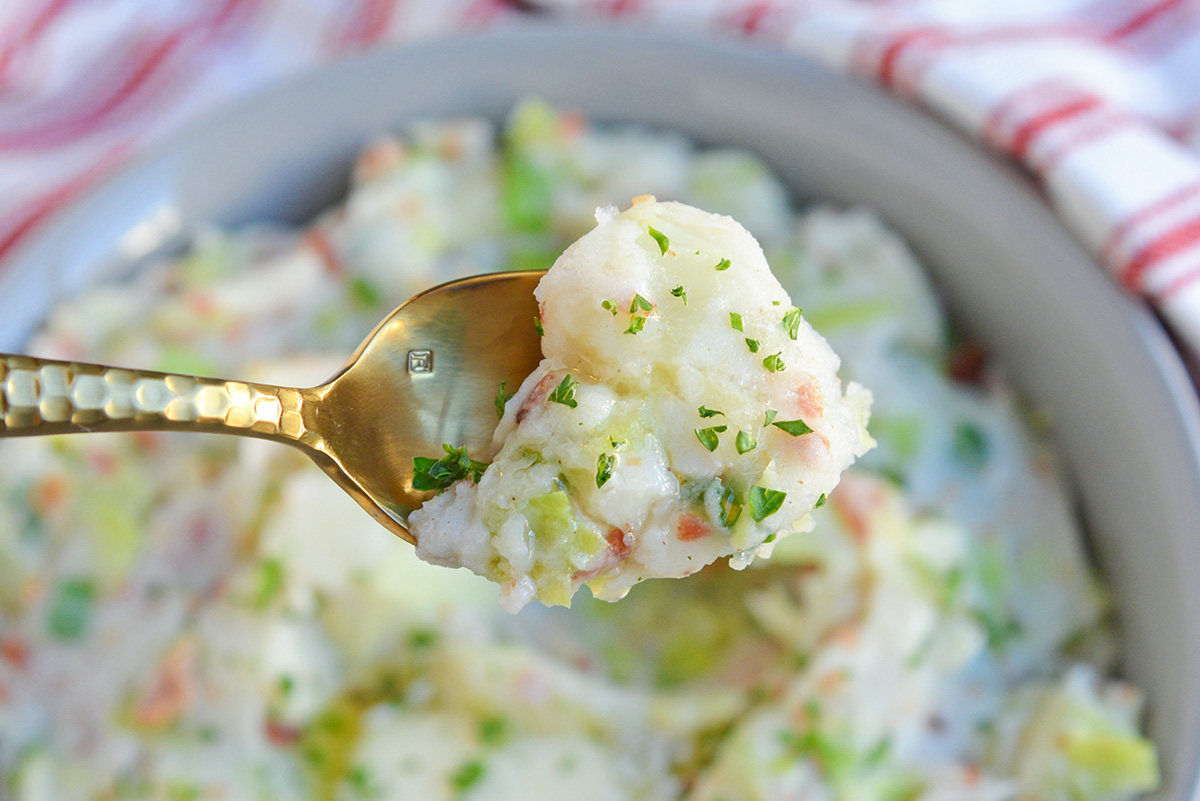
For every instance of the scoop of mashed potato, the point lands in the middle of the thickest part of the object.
(684, 411)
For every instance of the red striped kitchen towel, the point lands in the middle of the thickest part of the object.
(1099, 99)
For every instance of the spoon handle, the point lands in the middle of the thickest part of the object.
(43, 396)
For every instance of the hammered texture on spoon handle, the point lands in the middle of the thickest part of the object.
(43, 396)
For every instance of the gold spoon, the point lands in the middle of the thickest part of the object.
(428, 374)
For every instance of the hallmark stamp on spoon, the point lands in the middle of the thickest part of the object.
(420, 361)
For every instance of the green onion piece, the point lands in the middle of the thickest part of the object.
(564, 393)
(765, 502)
(752, 344)
(640, 304)
(610, 307)
(664, 244)
(708, 436)
(707, 412)
(636, 325)
(438, 474)
(502, 396)
(820, 501)
(745, 442)
(680, 293)
(735, 321)
(793, 427)
(730, 509)
(537, 326)
(791, 322)
(723, 264)
(774, 363)
(604, 467)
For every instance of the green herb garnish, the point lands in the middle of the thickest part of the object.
(774, 363)
(610, 307)
(493, 730)
(537, 326)
(970, 445)
(664, 244)
(723, 264)
(640, 304)
(564, 393)
(438, 474)
(791, 322)
(71, 608)
(502, 396)
(708, 436)
(769, 417)
(636, 325)
(467, 776)
(707, 412)
(752, 344)
(735, 321)
(765, 502)
(820, 501)
(680, 293)
(793, 427)
(604, 467)
(617, 443)
(745, 442)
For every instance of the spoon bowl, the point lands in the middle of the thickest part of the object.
(427, 375)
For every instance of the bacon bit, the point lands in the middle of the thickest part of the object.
(854, 502)
(202, 303)
(643, 199)
(831, 682)
(689, 527)
(377, 159)
(319, 243)
(281, 734)
(810, 400)
(147, 441)
(172, 690)
(15, 652)
(571, 124)
(967, 363)
(536, 396)
(49, 493)
(102, 462)
(972, 775)
(619, 542)
(847, 635)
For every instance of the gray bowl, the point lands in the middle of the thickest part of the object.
(1127, 417)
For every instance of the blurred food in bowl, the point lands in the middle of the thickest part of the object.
(186, 617)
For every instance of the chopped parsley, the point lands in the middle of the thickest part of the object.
(708, 436)
(617, 443)
(493, 730)
(765, 502)
(774, 363)
(604, 468)
(537, 326)
(793, 427)
(467, 776)
(970, 445)
(735, 321)
(723, 264)
(680, 293)
(640, 304)
(360, 781)
(502, 396)
(664, 244)
(752, 344)
(769, 417)
(610, 307)
(820, 501)
(707, 412)
(791, 322)
(745, 442)
(71, 608)
(635, 325)
(729, 507)
(564, 393)
(438, 474)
